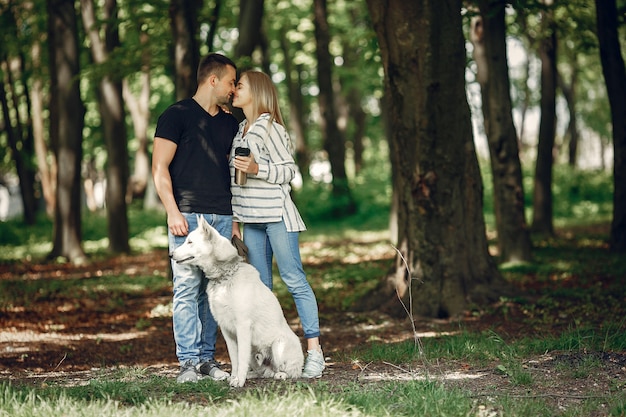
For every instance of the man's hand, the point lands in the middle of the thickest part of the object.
(177, 224)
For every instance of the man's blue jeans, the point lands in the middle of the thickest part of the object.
(267, 240)
(195, 329)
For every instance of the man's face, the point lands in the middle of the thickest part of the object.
(225, 86)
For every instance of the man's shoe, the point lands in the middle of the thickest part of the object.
(314, 364)
(212, 369)
(187, 373)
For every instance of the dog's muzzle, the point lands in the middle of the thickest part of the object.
(181, 261)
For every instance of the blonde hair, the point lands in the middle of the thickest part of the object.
(264, 95)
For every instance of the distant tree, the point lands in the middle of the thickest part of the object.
(297, 110)
(66, 128)
(111, 106)
(436, 177)
(139, 109)
(542, 192)
(488, 34)
(615, 77)
(15, 99)
(250, 22)
(184, 24)
(334, 142)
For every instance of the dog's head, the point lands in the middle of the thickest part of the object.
(204, 247)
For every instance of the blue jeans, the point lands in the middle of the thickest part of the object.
(267, 240)
(195, 329)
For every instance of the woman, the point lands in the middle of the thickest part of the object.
(271, 220)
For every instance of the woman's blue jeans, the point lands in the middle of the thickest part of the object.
(195, 329)
(267, 240)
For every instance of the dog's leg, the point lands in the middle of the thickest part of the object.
(231, 345)
(244, 352)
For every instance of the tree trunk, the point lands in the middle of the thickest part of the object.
(66, 128)
(19, 150)
(569, 92)
(250, 21)
(488, 35)
(111, 105)
(296, 108)
(441, 229)
(139, 110)
(47, 170)
(542, 193)
(213, 20)
(184, 22)
(334, 143)
(615, 78)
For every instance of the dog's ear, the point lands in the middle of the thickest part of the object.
(203, 225)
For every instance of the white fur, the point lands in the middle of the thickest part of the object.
(260, 342)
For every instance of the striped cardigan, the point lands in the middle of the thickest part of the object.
(265, 197)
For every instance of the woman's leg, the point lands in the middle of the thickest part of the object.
(259, 251)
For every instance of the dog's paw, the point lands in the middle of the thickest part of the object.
(280, 375)
(236, 382)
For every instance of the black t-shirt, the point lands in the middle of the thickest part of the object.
(199, 170)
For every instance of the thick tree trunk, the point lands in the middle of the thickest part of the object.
(615, 77)
(66, 128)
(441, 230)
(111, 105)
(184, 22)
(489, 38)
(542, 193)
(334, 142)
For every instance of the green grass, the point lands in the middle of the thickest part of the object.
(573, 284)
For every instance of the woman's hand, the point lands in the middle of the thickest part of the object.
(246, 164)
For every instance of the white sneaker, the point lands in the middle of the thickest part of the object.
(314, 364)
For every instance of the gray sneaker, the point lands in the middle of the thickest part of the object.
(212, 369)
(314, 364)
(187, 373)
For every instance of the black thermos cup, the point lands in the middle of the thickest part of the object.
(240, 176)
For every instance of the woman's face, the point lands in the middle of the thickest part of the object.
(242, 97)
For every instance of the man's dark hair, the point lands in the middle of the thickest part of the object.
(213, 64)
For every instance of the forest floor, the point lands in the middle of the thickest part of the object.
(69, 341)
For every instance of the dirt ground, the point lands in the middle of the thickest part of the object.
(72, 342)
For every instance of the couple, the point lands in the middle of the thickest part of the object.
(192, 161)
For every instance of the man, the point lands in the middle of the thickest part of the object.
(191, 175)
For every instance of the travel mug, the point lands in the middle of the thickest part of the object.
(240, 176)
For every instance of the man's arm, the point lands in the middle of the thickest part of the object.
(162, 155)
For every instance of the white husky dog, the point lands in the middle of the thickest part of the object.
(260, 342)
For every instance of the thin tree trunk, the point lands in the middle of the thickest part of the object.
(334, 142)
(615, 78)
(296, 109)
(489, 37)
(111, 105)
(66, 128)
(20, 144)
(184, 23)
(250, 21)
(47, 170)
(542, 193)
(139, 109)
